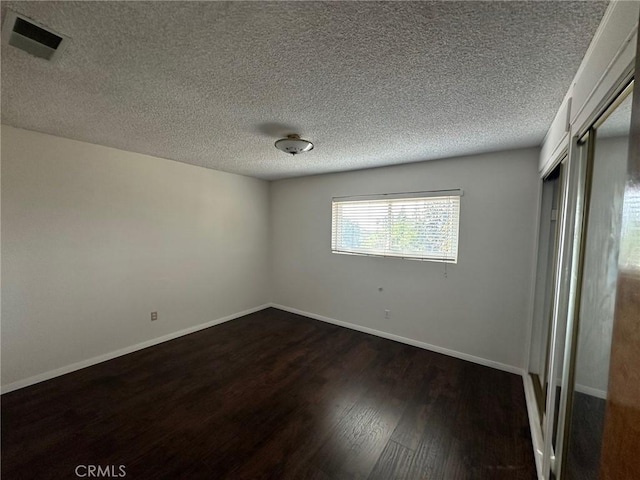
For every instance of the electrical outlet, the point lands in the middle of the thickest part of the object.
(387, 314)
(154, 316)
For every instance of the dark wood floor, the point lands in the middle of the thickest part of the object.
(273, 396)
(585, 437)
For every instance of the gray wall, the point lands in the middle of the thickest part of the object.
(94, 239)
(482, 306)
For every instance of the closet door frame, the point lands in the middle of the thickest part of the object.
(567, 298)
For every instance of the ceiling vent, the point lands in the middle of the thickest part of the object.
(33, 38)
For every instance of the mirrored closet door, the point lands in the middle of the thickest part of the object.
(575, 291)
(608, 143)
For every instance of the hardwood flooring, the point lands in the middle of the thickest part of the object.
(585, 437)
(272, 396)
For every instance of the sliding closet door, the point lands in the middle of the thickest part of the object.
(621, 445)
(606, 175)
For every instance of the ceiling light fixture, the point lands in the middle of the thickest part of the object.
(293, 144)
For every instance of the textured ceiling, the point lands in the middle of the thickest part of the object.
(370, 83)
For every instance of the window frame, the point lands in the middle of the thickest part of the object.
(382, 197)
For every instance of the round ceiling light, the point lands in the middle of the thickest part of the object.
(294, 145)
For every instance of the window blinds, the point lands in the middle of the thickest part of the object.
(421, 225)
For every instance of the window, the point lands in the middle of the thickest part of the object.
(418, 225)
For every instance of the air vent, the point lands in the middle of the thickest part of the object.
(33, 38)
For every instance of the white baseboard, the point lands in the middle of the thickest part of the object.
(594, 392)
(408, 341)
(123, 351)
(534, 422)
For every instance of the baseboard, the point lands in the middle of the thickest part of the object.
(594, 392)
(123, 351)
(408, 341)
(534, 422)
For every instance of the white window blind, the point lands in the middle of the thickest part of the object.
(418, 225)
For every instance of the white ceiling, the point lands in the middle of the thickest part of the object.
(370, 83)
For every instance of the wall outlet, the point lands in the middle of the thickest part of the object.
(154, 316)
(387, 314)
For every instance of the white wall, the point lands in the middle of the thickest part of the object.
(481, 308)
(94, 239)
